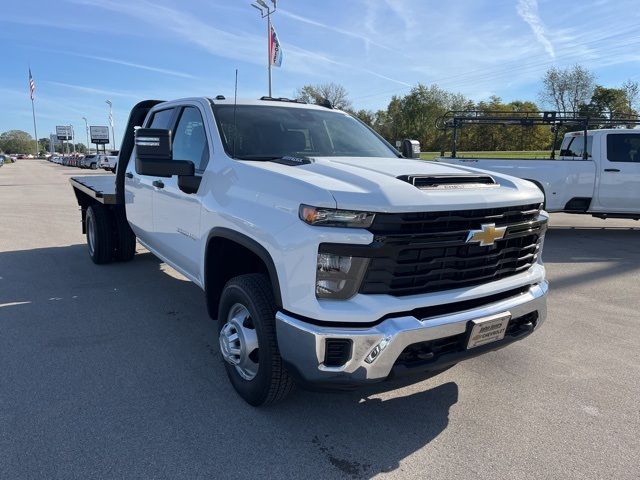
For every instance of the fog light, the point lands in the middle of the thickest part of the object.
(338, 276)
(377, 350)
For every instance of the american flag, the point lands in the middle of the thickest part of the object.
(32, 84)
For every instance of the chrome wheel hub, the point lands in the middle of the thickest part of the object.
(239, 342)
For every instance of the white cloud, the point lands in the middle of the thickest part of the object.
(134, 65)
(528, 11)
(96, 91)
(349, 33)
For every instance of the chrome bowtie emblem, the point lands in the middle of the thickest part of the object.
(487, 235)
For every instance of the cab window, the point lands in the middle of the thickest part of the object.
(574, 147)
(190, 140)
(161, 119)
(623, 147)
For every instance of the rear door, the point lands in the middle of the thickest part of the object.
(619, 185)
(176, 214)
(139, 189)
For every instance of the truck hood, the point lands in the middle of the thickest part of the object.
(365, 183)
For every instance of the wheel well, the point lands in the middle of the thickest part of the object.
(229, 257)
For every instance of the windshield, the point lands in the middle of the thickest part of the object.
(269, 132)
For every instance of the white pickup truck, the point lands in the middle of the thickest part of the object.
(606, 184)
(108, 162)
(328, 259)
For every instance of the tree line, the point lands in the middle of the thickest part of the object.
(414, 115)
(19, 141)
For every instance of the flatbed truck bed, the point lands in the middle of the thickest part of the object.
(101, 188)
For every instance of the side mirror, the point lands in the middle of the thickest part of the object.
(410, 148)
(154, 157)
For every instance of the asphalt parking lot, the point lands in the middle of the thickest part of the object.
(114, 372)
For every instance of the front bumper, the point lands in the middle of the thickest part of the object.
(302, 344)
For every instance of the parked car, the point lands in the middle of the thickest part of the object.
(2, 157)
(5, 159)
(326, 257)
(90, 161)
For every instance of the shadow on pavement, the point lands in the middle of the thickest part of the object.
(114, 371)
(614, 251)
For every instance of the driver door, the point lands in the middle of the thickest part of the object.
(176, 214)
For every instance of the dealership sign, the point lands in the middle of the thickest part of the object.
(64, 132)
(99, 135)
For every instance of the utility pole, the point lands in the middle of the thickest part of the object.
(266, 12)
(113, 133)
(86, 127)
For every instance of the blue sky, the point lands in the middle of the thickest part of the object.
(85, 51)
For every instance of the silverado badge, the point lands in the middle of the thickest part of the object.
(487, 235)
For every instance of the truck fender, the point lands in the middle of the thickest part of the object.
(539, 185)
(251, 245)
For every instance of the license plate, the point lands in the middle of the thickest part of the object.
(488, 329)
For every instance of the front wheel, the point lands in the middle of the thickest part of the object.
(248, 343)
(94, 166)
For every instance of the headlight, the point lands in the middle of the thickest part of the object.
(330, 217)
(339, 277)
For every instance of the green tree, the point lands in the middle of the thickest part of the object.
(367, 116)
(567, 89)
(609, 103)
(414, 115)
(333, 92)
(16, 141)
(43, 144)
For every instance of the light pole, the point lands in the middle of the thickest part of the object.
(113, 134)
(86, 127)
(73, 139)
(266, 12)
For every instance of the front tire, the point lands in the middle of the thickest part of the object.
(248, 343)
(99, 234)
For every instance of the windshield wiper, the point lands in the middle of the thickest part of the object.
(263, 158)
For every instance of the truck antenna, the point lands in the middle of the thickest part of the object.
(235, 105)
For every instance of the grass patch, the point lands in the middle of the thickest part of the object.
(541, 154)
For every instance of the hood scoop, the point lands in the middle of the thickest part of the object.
(449, 182)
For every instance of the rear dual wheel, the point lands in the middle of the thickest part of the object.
(109, 236)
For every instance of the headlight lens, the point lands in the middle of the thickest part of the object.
(330, 217)
(339, 277)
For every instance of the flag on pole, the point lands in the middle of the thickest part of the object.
(32, 85)
(275, 51)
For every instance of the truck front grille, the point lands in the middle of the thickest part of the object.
(417, 253)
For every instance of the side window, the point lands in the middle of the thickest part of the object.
(161, 119)
(623, 147)
(575, 148)
(190, 139)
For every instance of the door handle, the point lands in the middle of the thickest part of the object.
(612, 170)
(128, 175)
(157, 184)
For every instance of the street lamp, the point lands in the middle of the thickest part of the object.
(86, 126)
(113, 134)
(266, 12)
